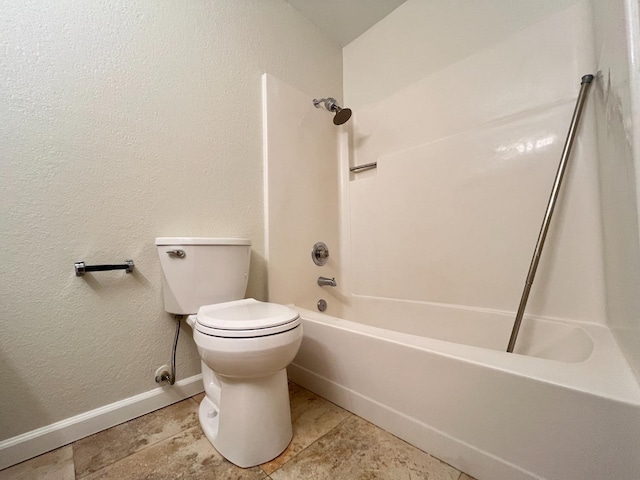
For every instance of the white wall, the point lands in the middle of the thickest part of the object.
(467, 145)
(617, 35)
(123, 121)
(421, 37)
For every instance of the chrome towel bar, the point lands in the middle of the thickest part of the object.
(81, 268)
(366, 166)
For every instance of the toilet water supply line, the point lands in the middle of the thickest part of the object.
(582, 96)
(171, 377)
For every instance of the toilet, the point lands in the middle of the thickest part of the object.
(245, 345)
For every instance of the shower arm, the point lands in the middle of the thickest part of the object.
(329, 103)
(575, 120)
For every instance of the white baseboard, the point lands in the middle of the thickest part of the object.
(36, 442)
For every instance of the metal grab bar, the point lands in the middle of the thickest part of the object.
(366, 166)
(582, 96)
(81, 268)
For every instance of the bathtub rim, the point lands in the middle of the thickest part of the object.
(501, 315)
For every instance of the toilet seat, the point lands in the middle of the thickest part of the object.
(246, 318)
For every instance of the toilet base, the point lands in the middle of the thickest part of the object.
(247, 420)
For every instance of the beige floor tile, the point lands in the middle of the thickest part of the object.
(464, 476)
(312, 417)
(358, 449)
(188, 455)
(95, 452)
(55, 465)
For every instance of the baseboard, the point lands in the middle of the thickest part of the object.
(36, 442)
(456, 453)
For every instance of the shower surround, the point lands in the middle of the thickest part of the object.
(430, 251)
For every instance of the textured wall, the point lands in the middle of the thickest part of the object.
(123, 121)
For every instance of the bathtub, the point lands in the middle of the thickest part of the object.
(564, 406)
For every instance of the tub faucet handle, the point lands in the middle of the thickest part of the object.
(320, 254)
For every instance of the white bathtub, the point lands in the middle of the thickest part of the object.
(566, 407)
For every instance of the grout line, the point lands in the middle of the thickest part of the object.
(314, 442)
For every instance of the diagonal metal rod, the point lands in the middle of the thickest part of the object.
(582, 96)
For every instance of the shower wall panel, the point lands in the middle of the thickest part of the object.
(617, 34)
(466, 159)
(301, 193)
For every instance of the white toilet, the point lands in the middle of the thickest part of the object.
(245, 345)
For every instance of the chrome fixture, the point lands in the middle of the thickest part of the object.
(322, 305)
(176, 253)
(330, 282)
(573, 127)
(331, 104)
(366, 166)
(320, 254)
(81, 268)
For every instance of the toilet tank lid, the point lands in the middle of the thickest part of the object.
(201, 241)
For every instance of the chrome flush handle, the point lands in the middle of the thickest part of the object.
(176, 253)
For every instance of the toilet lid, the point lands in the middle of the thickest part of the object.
(247, 314)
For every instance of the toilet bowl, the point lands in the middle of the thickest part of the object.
(245, 346)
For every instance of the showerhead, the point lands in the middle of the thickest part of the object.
(342, 114)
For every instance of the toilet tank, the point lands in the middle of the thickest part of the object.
(212, 270)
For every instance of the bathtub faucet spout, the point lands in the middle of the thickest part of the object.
(327, 281)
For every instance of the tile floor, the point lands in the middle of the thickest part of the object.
(328, 443)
